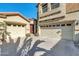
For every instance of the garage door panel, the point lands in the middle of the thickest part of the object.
(54, 33)
(67, 32)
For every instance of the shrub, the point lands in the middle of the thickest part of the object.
(28, 35)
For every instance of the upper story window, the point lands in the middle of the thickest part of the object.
(54, 5)
(44, 7)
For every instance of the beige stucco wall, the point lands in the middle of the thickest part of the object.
(70, 7)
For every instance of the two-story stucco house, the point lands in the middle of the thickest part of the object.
(59, 20)
(16, 24)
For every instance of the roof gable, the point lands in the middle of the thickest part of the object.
(5, 14)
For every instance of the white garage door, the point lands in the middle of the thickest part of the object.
(64, 31)
(52, 33)
(16, 31)
(67, 32)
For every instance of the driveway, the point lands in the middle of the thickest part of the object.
(57, 47)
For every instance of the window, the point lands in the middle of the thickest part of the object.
(49, 25)
(14, 25)
(54, 5)
(53, 25)
(41, 26)
(58, 25)
(9, 24)
(46, 25)
(44, 7)
(68, 24)
(23, 25)
(19, 25)
(62, 24)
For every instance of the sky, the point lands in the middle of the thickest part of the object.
(29, 10)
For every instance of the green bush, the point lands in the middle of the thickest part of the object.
(28, 35)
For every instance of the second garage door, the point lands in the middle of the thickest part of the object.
(64, 31)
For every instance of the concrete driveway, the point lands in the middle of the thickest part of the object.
(56, 47)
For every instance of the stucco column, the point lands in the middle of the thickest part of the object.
(38, 16)
(49, 6)
(40, 9)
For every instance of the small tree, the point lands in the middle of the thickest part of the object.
(3, 31)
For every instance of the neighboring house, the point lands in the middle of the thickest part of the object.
(16, 24)
(59, 20)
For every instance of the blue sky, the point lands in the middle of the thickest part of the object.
(27, 9)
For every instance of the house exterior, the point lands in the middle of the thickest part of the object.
(16, 24)
(58, 20)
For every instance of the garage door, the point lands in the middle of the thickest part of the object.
(67, 32)
(16, 31)
(64, 31)
(52, 33)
